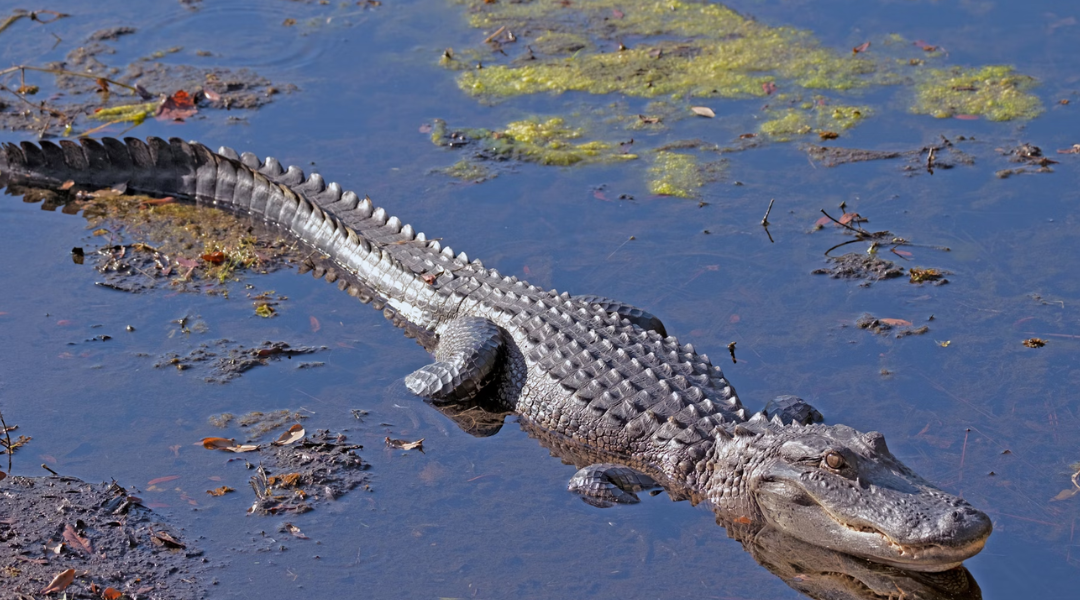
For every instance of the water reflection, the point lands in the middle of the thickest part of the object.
(817, 572)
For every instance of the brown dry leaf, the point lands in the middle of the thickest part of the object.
(769, 88)
(703, 111)
(216, 443)
(1035, 343)
(165, 479)
(404, 445)
(828, 135)
(214, 258)
(177, 107)
(896, 322)
(293, 529)
(60, 582)
(293, 435)
(315, 326)
(2, 475)
(160, 538)
(221, 491)
(851, 218)
(67, 184)
(76, 541)
(1065, 495)
(860, 48)
(111, 593)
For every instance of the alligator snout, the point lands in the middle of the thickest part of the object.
(964, 526)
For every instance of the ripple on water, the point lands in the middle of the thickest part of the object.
(254, 34)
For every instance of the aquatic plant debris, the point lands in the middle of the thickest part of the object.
(688, 49)
(543, 141)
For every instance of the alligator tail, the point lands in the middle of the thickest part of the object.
(352, 233)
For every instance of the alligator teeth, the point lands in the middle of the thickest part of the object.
(228, 153)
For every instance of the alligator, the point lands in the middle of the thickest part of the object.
(594, 373)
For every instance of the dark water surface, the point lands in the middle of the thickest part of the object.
(490, 517)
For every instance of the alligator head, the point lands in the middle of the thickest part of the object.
(835, 487)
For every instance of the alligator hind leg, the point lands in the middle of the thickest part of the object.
(465, 359)
(606, 484)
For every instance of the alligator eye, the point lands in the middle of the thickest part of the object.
(834, 460)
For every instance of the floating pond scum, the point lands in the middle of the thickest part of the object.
(688, 52)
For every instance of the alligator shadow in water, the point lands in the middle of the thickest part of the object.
(817, 572)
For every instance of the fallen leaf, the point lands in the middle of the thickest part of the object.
(743, 520)
(315, 327)
(293, 435)
(703, 111)
(214, 258)
(896, 322)
(851, 218)
(1065, 494)
(111, 593)
(828, 135)
(769, 88)
(187, 263)
(216, 443)
(3, 475)
(160, 538)
(923, 45)
(904, 253)
(70, 182)
(293, 529)
(76, 541)
(221, 491)
(404, 445)
(177, 107)
(1034, 342)
(60, 582)
(747, 136)
(860, 48)
(967, 117)
(162, 479)
(618, 14)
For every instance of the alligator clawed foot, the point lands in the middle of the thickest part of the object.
(465, 360)
(607, 484)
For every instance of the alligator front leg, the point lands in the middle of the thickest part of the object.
(466, 357)
(606, 484)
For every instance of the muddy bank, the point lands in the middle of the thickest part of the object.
(114, 546)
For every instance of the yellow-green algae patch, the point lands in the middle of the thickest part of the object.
(542, 141)
(791, 122)
(693, 48)
(681, 175)
(722, 54)
(995, 92)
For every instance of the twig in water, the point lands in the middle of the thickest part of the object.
(629, 239)
(46, 467)
(765, 219)
(844, 225)
(7, 436)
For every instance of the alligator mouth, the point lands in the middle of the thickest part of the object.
(915, 557)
